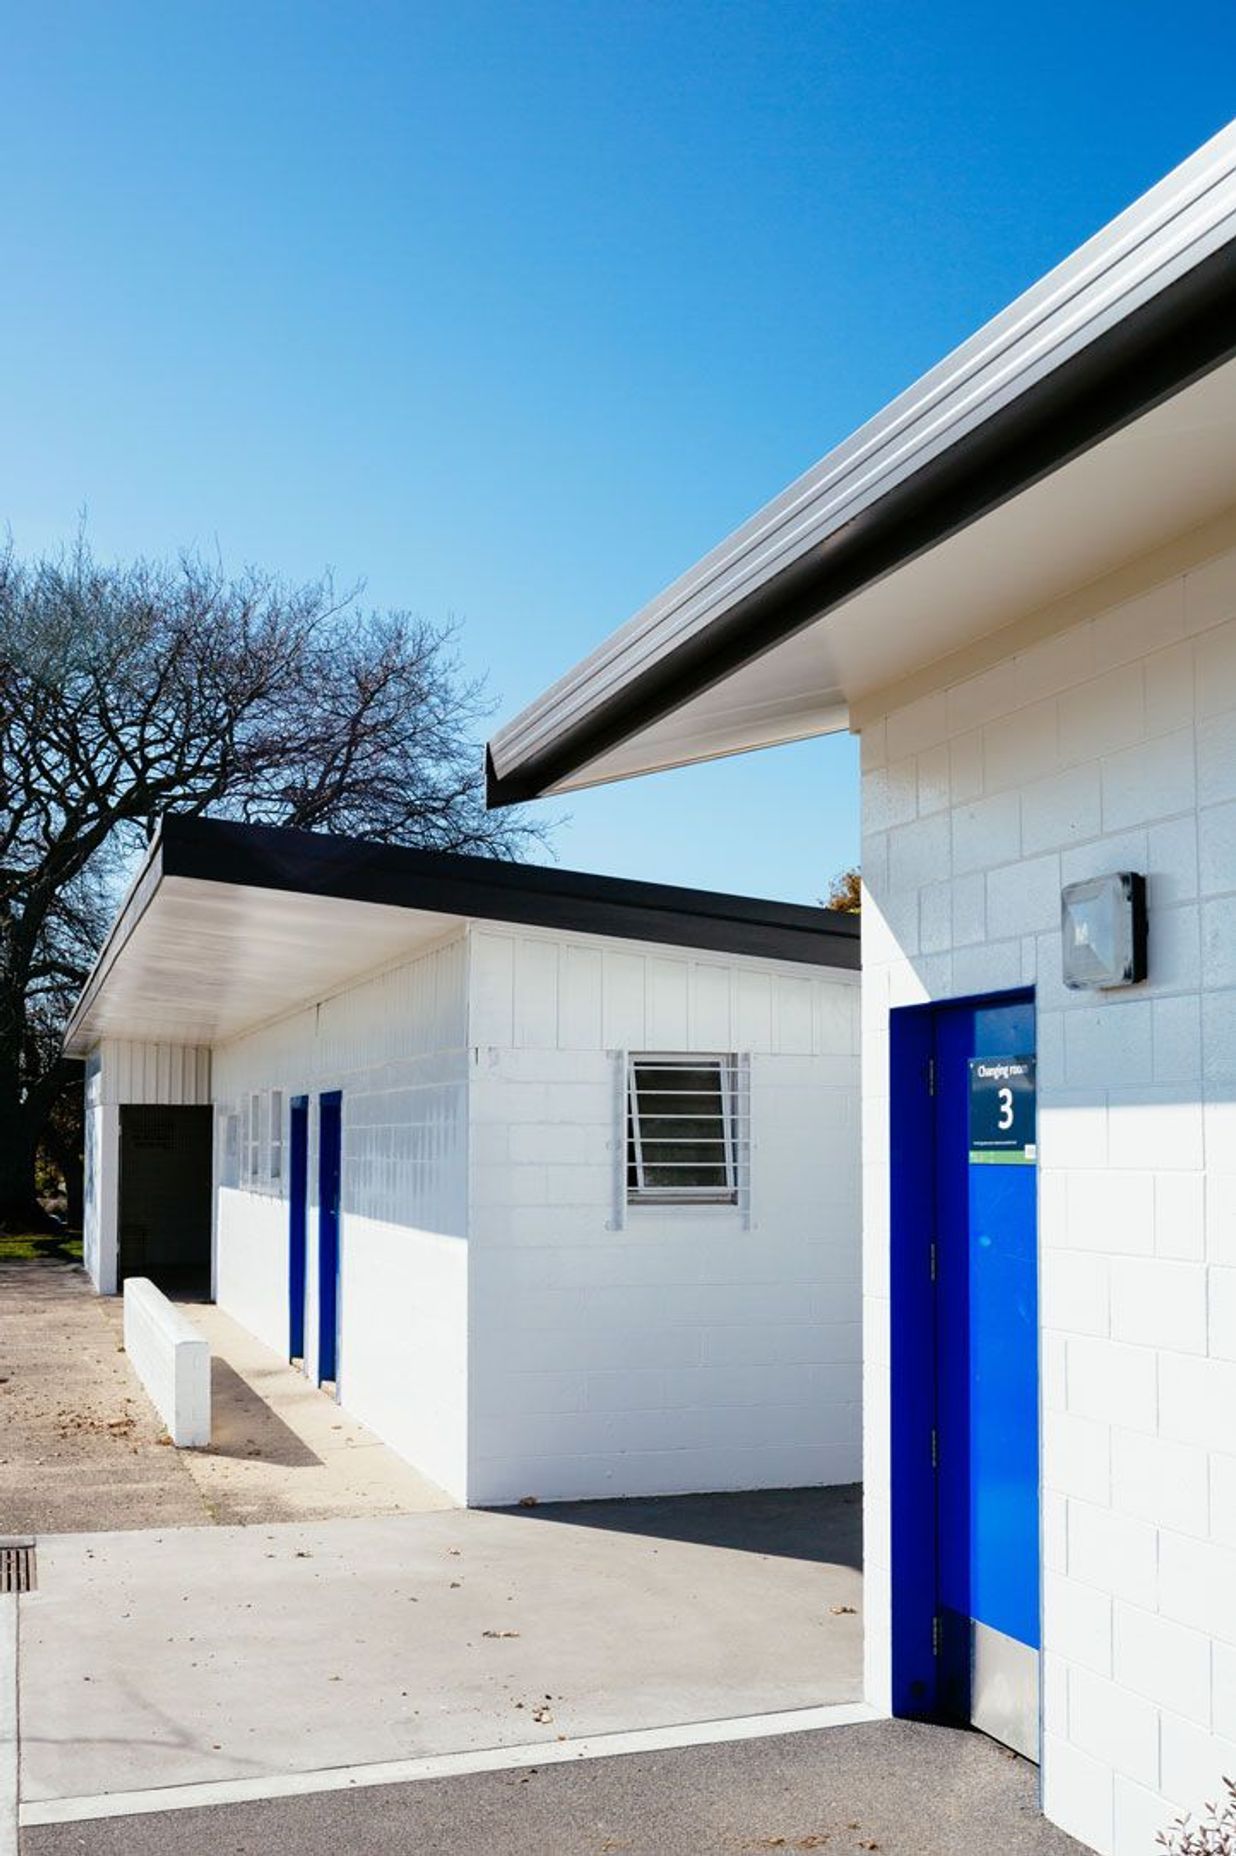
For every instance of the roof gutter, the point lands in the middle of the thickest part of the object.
(1138, 314)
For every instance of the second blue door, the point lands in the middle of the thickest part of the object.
(330, 1157)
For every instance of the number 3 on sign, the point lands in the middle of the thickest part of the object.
(1006, 1110)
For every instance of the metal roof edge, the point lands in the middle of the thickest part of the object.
(473, 888)
(1138, 283)
(133, 905)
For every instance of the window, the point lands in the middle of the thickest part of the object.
(254, 1169)
(276, 1136)
(683, 1128)
(231, 1150)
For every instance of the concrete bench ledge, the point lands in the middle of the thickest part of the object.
(171, 1359)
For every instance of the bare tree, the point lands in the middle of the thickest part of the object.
(131, 691)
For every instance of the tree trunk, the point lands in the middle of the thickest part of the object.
(19, 1208)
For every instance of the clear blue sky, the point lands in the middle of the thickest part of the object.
(513, 309)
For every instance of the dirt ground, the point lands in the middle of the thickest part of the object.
(79, 1441)
(82, 1450)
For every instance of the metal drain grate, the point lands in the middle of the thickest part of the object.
(17, 1572)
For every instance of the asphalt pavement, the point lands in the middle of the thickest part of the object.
(897, 1787)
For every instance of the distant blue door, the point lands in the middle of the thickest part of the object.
(987, 1376)
(965, 1377)
(298, 1201)
(330, 1155)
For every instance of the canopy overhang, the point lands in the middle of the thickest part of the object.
(229, 926)
(1093, 421)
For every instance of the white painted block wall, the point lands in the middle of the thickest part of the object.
(644, 1350)
(1102, 737)
(395, 1045)
(506, 1323)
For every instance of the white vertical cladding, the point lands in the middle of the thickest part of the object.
(100, 1202)
(394, 1045)
(119, 1072)
(639, 1350)
(1106, 743)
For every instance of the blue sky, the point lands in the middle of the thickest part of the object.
(514, 309)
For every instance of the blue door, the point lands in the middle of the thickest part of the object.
(298, 1201)
(965, 1368)
(330, 1154)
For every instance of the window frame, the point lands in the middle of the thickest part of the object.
(727, 1066)
(274, 1148)
(253, 1149)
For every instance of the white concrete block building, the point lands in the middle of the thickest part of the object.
(554, 1178)
(1017, 584)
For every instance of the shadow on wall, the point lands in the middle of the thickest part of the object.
(821, 1525)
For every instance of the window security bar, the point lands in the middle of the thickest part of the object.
(687, 1129)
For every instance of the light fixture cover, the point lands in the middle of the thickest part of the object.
(1103, 921)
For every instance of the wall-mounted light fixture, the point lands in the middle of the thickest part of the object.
(1104, 931)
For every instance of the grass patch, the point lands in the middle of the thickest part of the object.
(40, 1246)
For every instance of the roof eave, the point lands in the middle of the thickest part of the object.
(1138, 313)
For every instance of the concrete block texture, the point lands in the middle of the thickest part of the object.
(1108, 744)
(171, 1359)
(506, 1321)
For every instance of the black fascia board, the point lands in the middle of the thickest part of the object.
(1180, 335)
(450, 883)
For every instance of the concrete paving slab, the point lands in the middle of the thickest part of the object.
(8, 1724)
(898, 1787)
(194, 1655)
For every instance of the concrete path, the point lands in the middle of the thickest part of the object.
(280, 1450)
(82, 1448)
(895, 1786)
(191, 1656)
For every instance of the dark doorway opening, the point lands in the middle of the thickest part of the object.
(165, 1191)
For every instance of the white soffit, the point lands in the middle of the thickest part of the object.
(206, 961)
(1170, 471)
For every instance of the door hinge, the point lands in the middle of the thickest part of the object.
(931, 1258)
(931, 1076)
(935, 1448)
(935, 1635)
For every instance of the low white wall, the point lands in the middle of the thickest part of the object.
(644, 1350)
(171, 1359)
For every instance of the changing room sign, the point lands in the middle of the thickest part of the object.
(1002, 1122)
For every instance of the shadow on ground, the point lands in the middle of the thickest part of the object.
(244, 1426)
(40, 1247)
(824, 1525)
